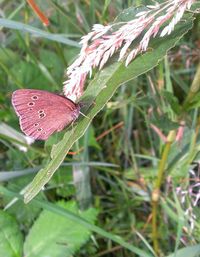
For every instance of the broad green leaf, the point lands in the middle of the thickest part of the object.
(8, 57)
(100, 90)
(30, 76)
(37, 32)
(181, 156)
(190, 251)
(54, 235)
(54, 64)
(24, 214)
(63, 181)
(11, 241)
(164, 122)
(172, 101)
(77, 219)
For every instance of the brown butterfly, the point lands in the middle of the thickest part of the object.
(42, 113)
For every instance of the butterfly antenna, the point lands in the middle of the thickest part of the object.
(84, 115)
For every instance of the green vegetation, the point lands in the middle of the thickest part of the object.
(122, 181)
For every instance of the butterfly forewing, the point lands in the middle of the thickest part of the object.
(41, 113)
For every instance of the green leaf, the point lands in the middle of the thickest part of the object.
(8, 57)
(24, 214)
(100, 90)
(191, 251)
(54, 64)
(77, 219)
(54, 235)
(10, 236)
(164, 122)
(29, 75)
(194, 103)
(179, 169)
(63, 182)
(172, 101)
(92, 142)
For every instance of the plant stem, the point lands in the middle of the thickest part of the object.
(156, 190)
(195, 87)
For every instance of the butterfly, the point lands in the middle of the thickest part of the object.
(42, 113)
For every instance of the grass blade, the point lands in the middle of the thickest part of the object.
(37, 32)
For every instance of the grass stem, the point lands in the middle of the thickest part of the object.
(156, 190)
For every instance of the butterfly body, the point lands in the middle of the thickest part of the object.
(42, 113)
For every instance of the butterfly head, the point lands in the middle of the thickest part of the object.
(76, 112)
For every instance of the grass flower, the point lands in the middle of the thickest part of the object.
(103, 41)
(192, 192)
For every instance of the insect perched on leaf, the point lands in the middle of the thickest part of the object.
(42, 113)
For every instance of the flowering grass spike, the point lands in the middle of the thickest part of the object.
(102, 42)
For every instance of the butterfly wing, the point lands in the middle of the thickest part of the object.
(41, 113)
